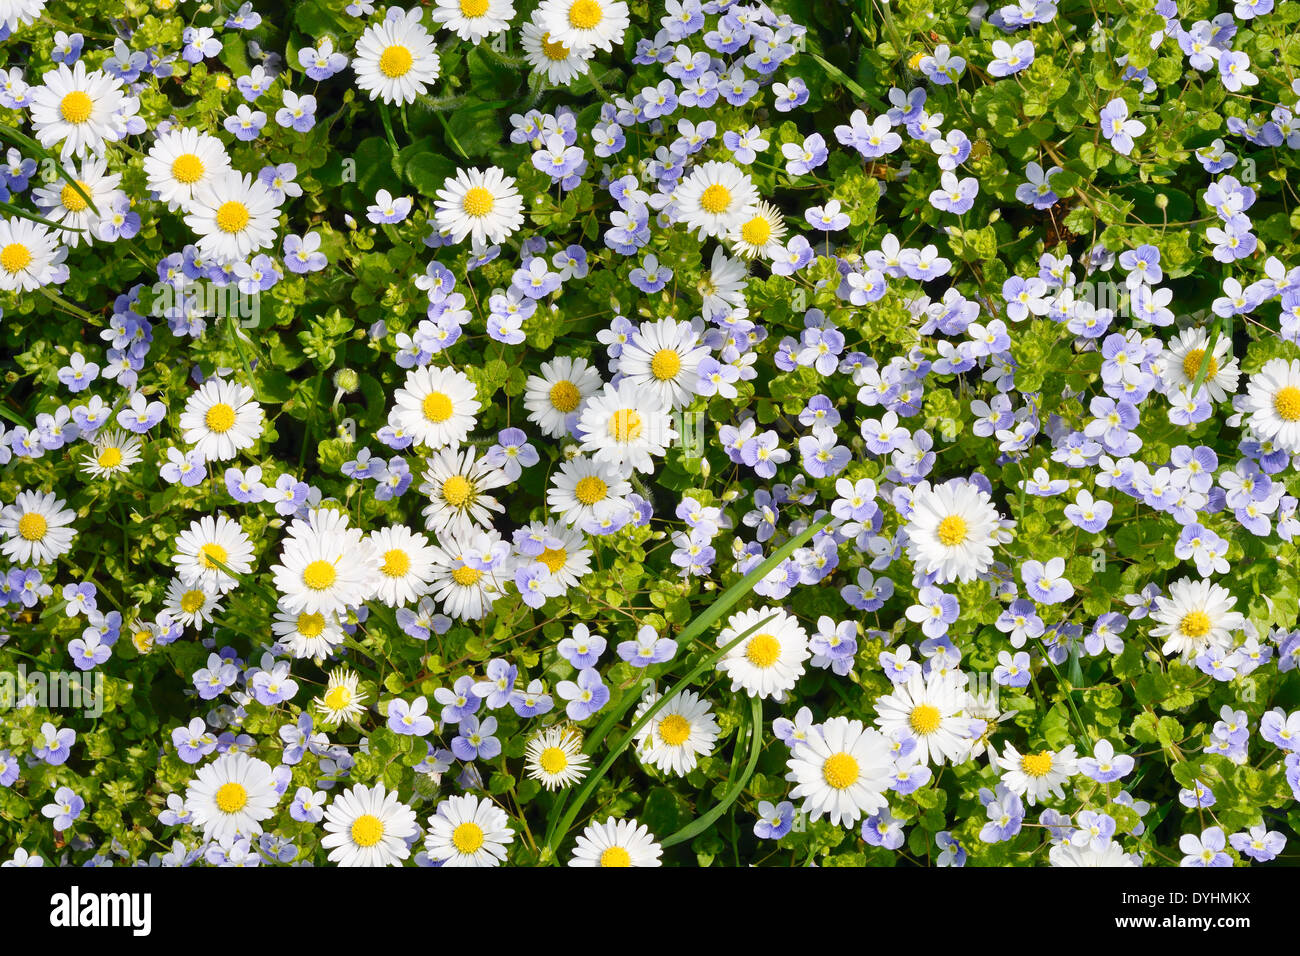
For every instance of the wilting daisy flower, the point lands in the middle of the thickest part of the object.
(625, 427)
(841, 770)
(715, 199)
(482, 204)
(678, 734)
(582, 487)
(233, 215)
(231, 796)
(113, 451)
(769, 661)
(307, 634)
(760, 234)
(1273, 402)
(182, 160)
(81, 109)
(555, 759)
(342, 701)
(1196, 615)
(221, 419)
(456, 484)
(950, 531)
(931, 709)
(396, 60)
(28, 254)
(663, 359)
(584, 23)
(559, 64)
(325, 566)
(616, 843)
(468, 831)
(436, 406)
(207, 541)
(1036, 776)
(473, 19)
(468, 573)
(60, 202)
(406, 571)
(37, 528)
(368, 826)
(553, 397)
(1186, 355)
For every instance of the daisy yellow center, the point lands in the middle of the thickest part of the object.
(466, 576)
(553, 760)
(231, 797)
(477, 202)
(1286, 402)
(337, 698)
(220, 418)
(367, 830)
(310, 625)
(915, 60)
(395, 61)
(473, 8)
(1195, 624)
(552, 50)
(586, 15)
(616, 856)
(553, 558)
(762, 650)
(396, 563)
(1193, 361)
(76, 107)
(15, 257)
(715, 199)
(665, 364)
(32, 527)
(212, 553)
(756, 232)
(467, 837)
(565, 396)
(457, 490)
(73, 200)
(1036, 765)
(143, 641)
(437, 407)
(924, 719)
(193, 601)
(232, 216)
(187, 168)
(951, 531)
(590, 490)
(840, 771)
(674, 729)
(109, 458)
(625, 425)
(319, 575)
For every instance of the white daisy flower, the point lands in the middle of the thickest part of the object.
(582, 485)
(616, 843)
(81, 109)
(663, 358)
(368, 826)
(325, 566)
(342, 702)
(681, 732)
(308, 634)
(560, 65)
(60, 202)
(28, 255)
(191, 605)
(406, 571)
(437, 406)
(467, 831)
(564, 551)
(553, 397)
(1273, 403)
(1186, 354)
(1109, 854)
(770, 660)
(715, 199)
(1195, 616)
(760, 234)
(473, 19)
(38, 528)
(626, 427)
(221, 419)
(208, 540)
(842, 770)
(181, 161)
(931, 709)
(1036, 776)
(113, 451)
(482, 204)
(231, 796)
(951, 531)
(16, 13)
(584, 23)
(555, 759)
(457, 484)
(396, 60)
(233, 215)
(467, 573)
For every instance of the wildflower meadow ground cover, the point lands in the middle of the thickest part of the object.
(604, 433)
